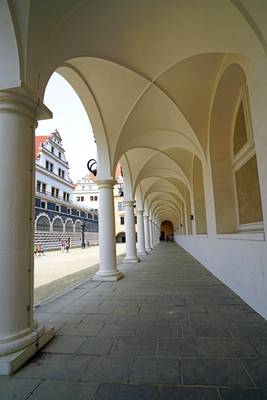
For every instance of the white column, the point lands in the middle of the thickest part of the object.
(131, 256)
(154, 234)
(140, 233)
(147, 233)
(151, 234)
(107, 241)
(20, 336)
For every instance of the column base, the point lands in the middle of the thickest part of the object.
(141, 253)
(107, 277)
(148, 250)
(11, 362)
(131, 260)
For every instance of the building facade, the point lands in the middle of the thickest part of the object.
(57, 217)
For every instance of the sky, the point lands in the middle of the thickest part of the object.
(72, 122)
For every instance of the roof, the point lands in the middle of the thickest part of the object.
(39, 140)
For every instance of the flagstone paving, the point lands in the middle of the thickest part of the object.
(168, 330)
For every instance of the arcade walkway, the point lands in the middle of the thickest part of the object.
(168, 330)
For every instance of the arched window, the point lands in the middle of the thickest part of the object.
(43, 224)
(58, 225)
(69, 226)
(233, 157)
(245, 168)
(78, 226)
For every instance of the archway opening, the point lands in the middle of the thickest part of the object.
(166, 230)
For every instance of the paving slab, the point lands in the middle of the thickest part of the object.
(168, 330)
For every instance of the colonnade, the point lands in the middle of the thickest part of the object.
(148, 233)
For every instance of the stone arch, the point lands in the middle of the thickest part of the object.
(69, 225)
(232, 154)
(58, 224)
(10, 66)
(78, 226)
(43, 223)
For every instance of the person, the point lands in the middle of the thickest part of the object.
(40, 249)
(67, 245)
(62, 244)
(35, 249)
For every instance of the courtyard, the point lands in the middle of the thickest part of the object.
(57, 271)
(168, 330)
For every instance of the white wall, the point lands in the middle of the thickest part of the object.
(239, 262)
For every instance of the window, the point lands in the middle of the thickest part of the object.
(82, 198)
(121, 206)
(69, 226)
(52, 149)
(61, 173)
(68, 211)
(57, 207)
(58, 225)
(93, 198)
(122, 220)
(135, 219)
(43, 204)
(66, 196)
(43, 224)
(54, 192)
(59, 154)
(41, 187)
(49, 166)
(78, 226)
(78, 198)
(78, 213)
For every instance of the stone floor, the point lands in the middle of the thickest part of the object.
(168, 330)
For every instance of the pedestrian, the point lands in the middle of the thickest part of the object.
(40, 249)
(67, 245)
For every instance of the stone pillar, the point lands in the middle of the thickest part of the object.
(147, 236)
(140, 233)
(20, 336)
(131, 256)
(155, 234)
(151, 236)
(107, 242)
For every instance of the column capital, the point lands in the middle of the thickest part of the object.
(141, 212)
(129, 203)
(22, 102)
(105, 183)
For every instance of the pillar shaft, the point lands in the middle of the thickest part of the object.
(18, 331)
(140, 232)
(151, 236)
(147, 233)
(131, 255)
(107, 243)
